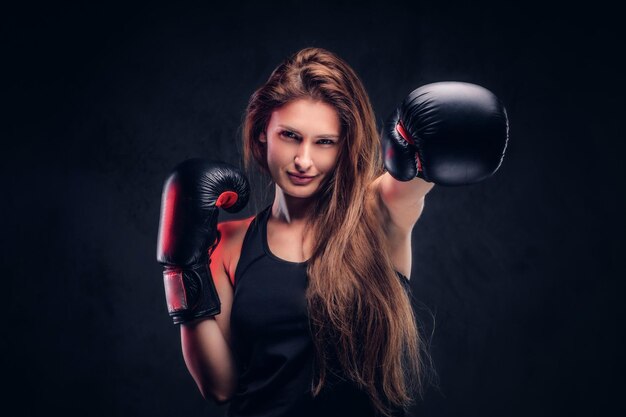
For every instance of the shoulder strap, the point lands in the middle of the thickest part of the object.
(252, 246)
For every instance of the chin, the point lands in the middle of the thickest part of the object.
(297, 191)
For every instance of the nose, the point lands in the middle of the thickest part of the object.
(303, 159)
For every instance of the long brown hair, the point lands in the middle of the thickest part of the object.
(360, 315)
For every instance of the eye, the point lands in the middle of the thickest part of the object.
(289, 134)
(326, 142)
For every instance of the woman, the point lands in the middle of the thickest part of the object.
(315, 315)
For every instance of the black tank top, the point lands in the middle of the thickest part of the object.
(272, 342)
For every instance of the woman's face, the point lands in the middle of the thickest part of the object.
(302, 145)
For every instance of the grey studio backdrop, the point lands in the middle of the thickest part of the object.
(516, 277)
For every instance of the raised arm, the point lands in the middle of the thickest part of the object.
(403, 200)
(206, 343)
(195, 279)
(447, 133)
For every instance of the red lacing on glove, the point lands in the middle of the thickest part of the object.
(408, 138)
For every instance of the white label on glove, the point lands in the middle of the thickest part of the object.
(174, 290)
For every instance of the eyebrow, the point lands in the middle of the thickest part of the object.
(330, 135)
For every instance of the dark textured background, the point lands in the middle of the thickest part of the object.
(522, 272)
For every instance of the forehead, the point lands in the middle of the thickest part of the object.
(308, 116)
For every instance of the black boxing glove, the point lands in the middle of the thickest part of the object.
(192, 196)
(447, 133)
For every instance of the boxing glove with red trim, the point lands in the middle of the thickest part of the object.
(447, 133)
(192, 196)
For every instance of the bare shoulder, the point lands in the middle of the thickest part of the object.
(229, 248)
(232, 234)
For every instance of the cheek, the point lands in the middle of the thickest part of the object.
(328, 161)
(276, 155)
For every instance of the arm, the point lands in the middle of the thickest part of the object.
(401, 204)
(206, 343)
(209, 359)
(403, 200)
(198, 292)
(443, 133)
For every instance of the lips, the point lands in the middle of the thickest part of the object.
(299, 180)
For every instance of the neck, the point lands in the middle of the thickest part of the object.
(288, 209)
